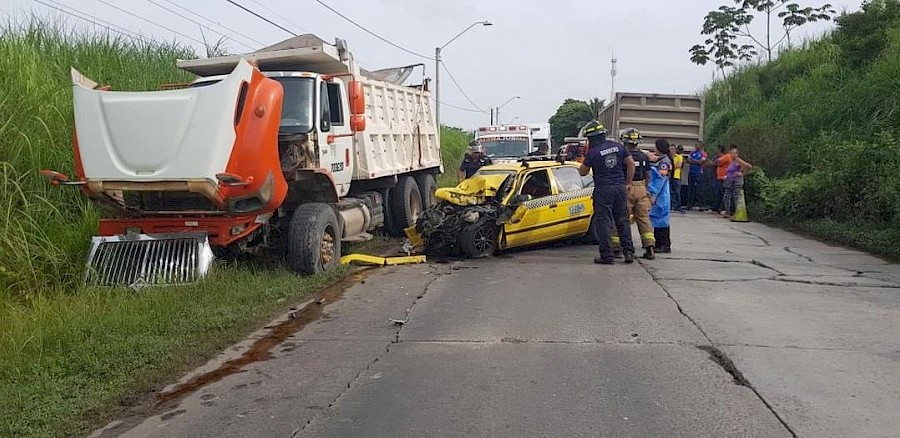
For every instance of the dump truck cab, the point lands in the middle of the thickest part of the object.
(290, 149)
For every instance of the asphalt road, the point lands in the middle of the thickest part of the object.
(743, 331)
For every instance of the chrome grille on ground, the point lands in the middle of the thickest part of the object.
(143, 260)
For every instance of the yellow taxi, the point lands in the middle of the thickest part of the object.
(506, 206)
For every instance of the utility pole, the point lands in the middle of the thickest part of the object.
(437, 91)
(437, 73)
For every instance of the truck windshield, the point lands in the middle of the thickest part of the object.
(297, 109)
(505, 147)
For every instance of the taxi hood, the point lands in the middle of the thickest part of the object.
(475, 190)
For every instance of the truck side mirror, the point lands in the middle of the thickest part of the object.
(357, 96)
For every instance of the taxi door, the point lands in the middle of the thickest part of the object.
(536, 220)
(574, 200)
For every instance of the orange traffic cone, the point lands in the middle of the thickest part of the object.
(740, 213)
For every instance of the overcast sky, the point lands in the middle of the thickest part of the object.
(542, 50)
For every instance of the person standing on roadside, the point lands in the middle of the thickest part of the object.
(637, 197)
(675, 184)
(696, 161)
(659, 197)
(734, 182)
(722, 161)
(475, 159)
(613, 170)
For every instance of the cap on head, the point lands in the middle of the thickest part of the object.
(593, 129)
(476, 148)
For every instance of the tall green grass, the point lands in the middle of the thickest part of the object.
(823, 123)
(68, 360)
(45, 231)
(454, 144)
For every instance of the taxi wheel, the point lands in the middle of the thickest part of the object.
(479, 240)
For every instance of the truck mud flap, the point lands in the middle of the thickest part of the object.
(138, 261)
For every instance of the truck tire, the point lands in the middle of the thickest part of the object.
(405, 205)
(427, 186)
(314, 240)
(479, 240)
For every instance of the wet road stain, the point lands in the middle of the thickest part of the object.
(170, 415)
(261, 350)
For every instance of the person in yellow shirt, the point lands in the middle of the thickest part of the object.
(675, 183)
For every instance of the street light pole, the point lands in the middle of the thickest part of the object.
(497, 112)
(437, 72)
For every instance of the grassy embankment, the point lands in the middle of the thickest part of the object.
(823, 123)
(70, 356)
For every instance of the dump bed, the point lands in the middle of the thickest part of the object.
(676, 117)
(400, 134)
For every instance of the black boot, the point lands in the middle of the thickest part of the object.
(649, 253)
(629, 257)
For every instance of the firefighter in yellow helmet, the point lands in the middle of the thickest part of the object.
(638, 201)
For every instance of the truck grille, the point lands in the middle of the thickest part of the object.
(144, 260)
(169, 201)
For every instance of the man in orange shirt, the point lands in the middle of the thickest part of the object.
(722, 161)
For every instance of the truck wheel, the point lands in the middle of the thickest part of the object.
(314, 239)
(405, 205)
(479, 240)
(427, 186)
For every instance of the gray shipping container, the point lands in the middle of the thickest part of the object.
(676, 117)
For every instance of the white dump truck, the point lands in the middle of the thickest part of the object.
(292, 149)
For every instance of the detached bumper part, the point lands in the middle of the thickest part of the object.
(364, 259)
(141, 260)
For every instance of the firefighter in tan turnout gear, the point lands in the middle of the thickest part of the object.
(638, 199)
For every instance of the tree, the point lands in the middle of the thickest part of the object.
(597, 105)
(791, 14)
(569, 119)
(729, 36)
(722, 28)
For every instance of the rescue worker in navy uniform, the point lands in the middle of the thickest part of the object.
(613, 169)
(638, 199)
(475, 159)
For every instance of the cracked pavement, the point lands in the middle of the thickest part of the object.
(744, 331)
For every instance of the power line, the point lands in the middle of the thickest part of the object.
(198, 23)
(152, 22)
(249, 11)
(93, 20)
(458, 107)
(458, 87)
(277, 14)
(372, 33)
(229, 29)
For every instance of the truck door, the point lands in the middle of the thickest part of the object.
(335, 138)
